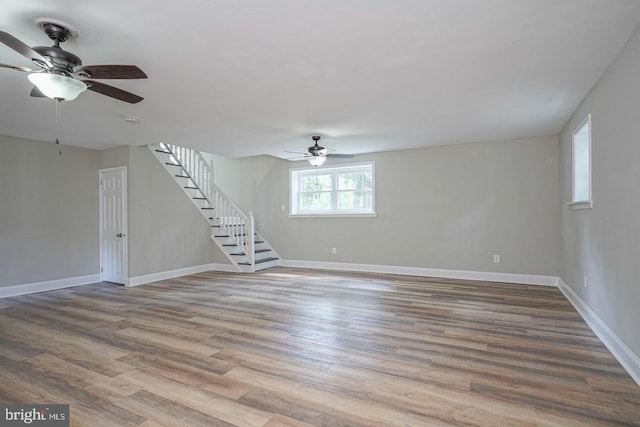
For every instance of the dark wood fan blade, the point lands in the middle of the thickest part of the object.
(111, 71)
(113, 92)
(16, 67)
(339, 156)
(35, 92)
(23, 49)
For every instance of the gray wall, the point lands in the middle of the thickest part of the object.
(603, 243)
(114, 157)
(446, 207)
(49, 221)
(48, 212)
(166, 231)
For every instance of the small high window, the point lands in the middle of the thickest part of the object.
(340, 190)
(581, 165)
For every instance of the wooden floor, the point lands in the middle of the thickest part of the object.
(292, 347)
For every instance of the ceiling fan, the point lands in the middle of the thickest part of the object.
(317, 154)
(62, 76)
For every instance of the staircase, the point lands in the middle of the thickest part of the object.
(231, 230)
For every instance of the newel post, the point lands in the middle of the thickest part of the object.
(252, 242)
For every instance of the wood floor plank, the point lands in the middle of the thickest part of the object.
(297, 348)
(220, 408)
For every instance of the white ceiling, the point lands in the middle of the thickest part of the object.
(247, 77)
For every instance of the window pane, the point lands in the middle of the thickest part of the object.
(315, 201)
(355, 181)
(581, 164)
(355, 200)
(315, 183)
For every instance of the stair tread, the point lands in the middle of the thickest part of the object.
(191, 188)
(199, 198)
(260, 261)
(172, 164)
(257, 251)
(182, 176)
(162, 151)
(207, 208)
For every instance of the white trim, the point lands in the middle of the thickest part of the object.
(228, 268)
(627, 358)
(47, 285)
(179, 272)
(525, 279)
(581, 204)
(361, 215)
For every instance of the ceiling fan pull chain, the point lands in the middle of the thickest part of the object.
(58, 106)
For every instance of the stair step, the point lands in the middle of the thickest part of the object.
(162, 151)
(172, 164)
(199, 198)
(234, 244)
(182, 176)
(207, 208)
(258, 251)
(191, 188)
(260, 261)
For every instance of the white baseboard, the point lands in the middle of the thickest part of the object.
(48, 285)
(525, 279)
(172, 274)
(627, 358)
(229, 268)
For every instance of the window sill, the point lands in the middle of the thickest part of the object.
(581, 204)
(355, 215)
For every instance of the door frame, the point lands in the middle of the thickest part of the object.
(125, 226)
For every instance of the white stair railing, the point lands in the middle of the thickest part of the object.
(232, 221)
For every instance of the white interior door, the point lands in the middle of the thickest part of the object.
(113, 224)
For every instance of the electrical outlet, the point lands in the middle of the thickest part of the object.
(496, 258)
(334, 250)
(585, 281)
(283, 208)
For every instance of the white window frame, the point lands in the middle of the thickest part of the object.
(294, 175)
(575, 203)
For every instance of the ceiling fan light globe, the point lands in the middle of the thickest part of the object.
(57, 86)
(316, 160)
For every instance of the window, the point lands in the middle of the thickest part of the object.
(581, 180)
(343, 190)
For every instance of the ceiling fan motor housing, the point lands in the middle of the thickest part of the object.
(62, 60)
(315, 149)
